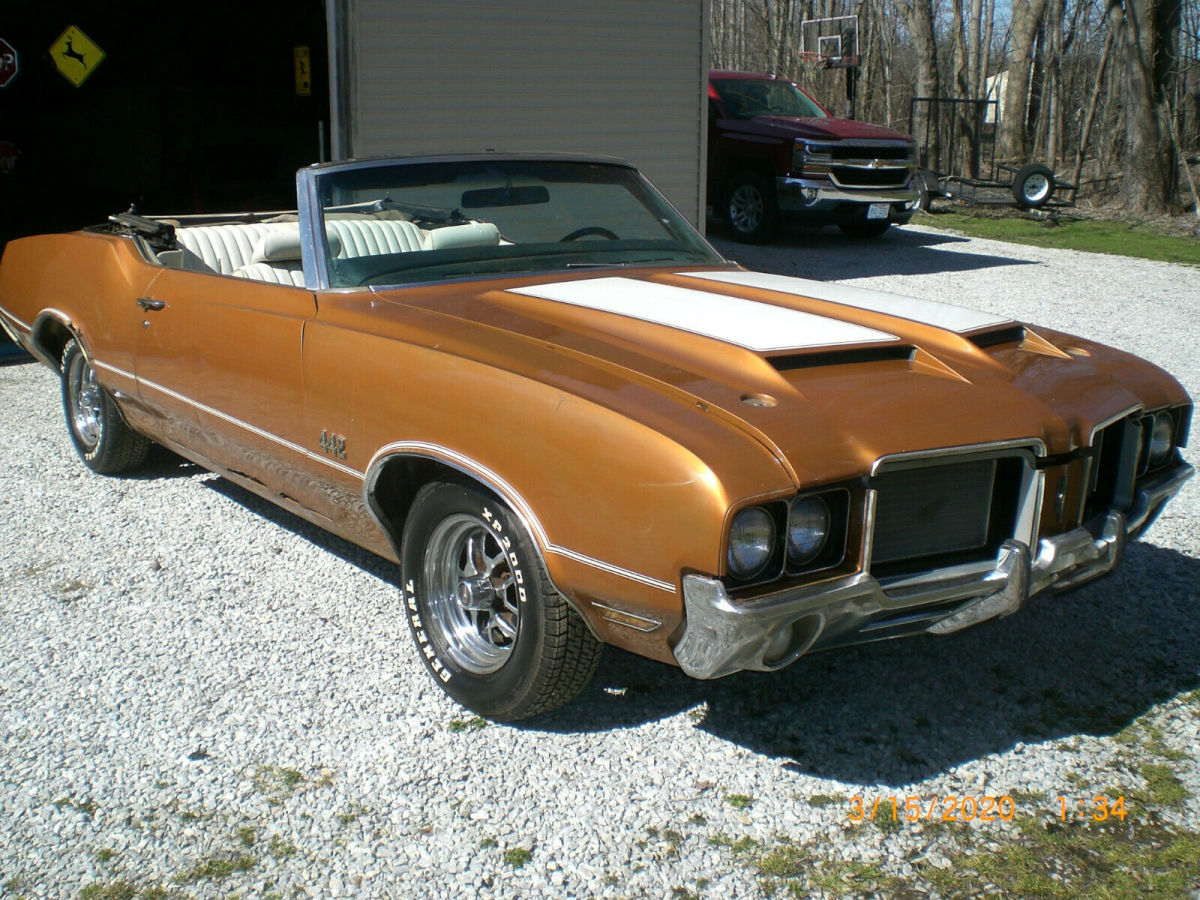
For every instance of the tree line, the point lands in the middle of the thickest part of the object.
(1105, 92)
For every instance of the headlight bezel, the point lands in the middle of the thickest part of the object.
(830, 554)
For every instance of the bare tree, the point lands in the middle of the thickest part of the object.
(1146, 32)
(1027, 16)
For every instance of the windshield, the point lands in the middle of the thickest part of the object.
(426, 221)
(746, 98)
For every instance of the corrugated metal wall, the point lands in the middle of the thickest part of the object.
(622, 78)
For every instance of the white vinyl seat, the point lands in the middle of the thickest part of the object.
(226, 248)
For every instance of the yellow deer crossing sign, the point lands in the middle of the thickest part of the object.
(75, 55)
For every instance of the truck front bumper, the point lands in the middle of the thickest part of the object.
(722, 636)
(824, 200)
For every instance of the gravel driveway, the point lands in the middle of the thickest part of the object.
(201, 696)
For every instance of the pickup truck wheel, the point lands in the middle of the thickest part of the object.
(102, 439)
(489, 625)
(864, 229)
(1033, 186)
(750, 208)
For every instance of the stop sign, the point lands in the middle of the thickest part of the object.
(8, 62)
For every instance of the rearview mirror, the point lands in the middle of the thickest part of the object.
(505, 196)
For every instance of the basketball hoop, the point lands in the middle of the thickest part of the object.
(811, 61)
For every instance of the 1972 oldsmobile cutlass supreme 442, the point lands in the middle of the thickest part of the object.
(530, 383)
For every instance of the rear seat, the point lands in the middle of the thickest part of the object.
(271, 251)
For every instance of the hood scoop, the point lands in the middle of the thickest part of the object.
(791, 362)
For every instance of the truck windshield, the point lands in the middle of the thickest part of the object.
(430, 220)
(746, 98)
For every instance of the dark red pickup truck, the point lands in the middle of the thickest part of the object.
(773, 151)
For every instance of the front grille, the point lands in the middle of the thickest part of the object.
(944, 514)
(861, 151)
(853, 176)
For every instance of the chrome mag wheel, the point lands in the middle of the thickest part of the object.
(86, 401)
(473, 594)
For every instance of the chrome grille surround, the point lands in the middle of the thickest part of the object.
(1000, 485)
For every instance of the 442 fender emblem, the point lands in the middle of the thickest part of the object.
(333, 444)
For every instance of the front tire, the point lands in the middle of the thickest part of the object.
(489, 626)
(103, 441)
(750, 208)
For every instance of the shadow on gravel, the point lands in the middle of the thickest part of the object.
(896, 712)
(351, 553)
(826, 254)
(12, 355)
(899, 711)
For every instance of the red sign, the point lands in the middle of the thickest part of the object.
(8, 62)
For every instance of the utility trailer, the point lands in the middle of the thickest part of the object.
(956, 140)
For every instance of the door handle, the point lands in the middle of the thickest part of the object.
(148, 303)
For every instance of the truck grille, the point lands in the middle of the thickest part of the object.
(944, 514)
(863, 176)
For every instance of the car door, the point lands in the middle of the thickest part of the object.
(220, 358)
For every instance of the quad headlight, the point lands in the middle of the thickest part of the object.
(751, 542)
(807, 530)
(1162, 439)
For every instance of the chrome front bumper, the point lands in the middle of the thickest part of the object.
(722, 636)
(804, 195)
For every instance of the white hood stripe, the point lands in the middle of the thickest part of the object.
(747, 323)
(926, 312)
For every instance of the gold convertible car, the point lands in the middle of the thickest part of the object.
(530, 383)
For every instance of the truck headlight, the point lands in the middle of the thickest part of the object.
(751, 542)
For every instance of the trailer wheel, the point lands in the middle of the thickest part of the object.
(1033, 186)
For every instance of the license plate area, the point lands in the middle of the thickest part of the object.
(878, 210)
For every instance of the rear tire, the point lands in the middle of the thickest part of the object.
(489, 626)
(103, 441)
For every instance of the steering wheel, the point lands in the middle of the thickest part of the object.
(587, 231)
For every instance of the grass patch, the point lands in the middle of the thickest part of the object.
(276, 783)
(517, 857)
(741, 845)
(352, 814)
(820, 801)
(1090, 235)
(1052, 859)
(116, 890)
(458, 726)
(280, 848)
(217, 868)
(739, 801)
(1163, 787)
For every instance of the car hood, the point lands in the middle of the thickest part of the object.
(823, 129)
(829, 378)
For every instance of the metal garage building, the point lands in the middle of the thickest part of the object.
(623, 78)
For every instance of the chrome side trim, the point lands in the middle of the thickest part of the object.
(12, 324)
(233, 420)
(516, 502)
